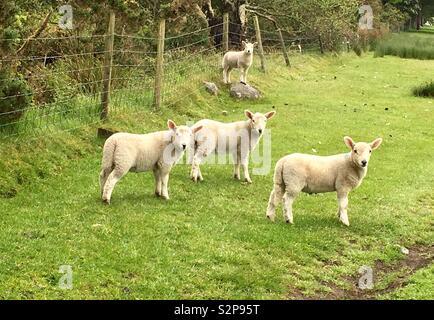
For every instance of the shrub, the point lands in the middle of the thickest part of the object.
(15, 97)
(425, 90)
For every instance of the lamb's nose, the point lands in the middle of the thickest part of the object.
(364, 163)
(184, 146)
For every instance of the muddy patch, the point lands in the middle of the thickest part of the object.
(419, 256)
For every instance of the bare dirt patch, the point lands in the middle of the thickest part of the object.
(419, 257)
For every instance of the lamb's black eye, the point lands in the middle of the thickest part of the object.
(253, 121)
(355, 151)
(370, 151)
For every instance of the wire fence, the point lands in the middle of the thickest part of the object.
(63, 88)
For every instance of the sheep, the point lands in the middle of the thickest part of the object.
(238, 59)
(236, 138)
(342, 173)
(157, 151)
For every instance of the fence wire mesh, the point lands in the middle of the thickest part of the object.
(62, 88)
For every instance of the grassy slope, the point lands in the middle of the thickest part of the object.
(211, 240)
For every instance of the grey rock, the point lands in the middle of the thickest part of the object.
(244, 91)
(211, 87)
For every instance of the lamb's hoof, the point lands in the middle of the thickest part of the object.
(157, 194)
(272, 217)
(236, 177)
(106, 201)
(345, 221)
(165, 197)
(289, 221)
(249, 181)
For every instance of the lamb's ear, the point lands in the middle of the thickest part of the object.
(171, 124)
(376, 143)
(255, 43)
(349, 142)
(270, 114)
(248, 114)
(194, 130)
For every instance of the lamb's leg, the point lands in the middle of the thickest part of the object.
(199, 174)
(112, 179)
(288, 200)
(271, 208)
(164, 176)
(225, 78)
(195, 168)
(195, 173)
(103, 178)
(157, 177)
(343, 206)
(229, 75)
(237, 164)
(275, 198)
(242, 75)
(245, 166)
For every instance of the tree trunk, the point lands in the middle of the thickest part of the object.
(215, 19)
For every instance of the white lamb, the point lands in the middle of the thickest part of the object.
(236, 138)
(157, 151)
(238, 59)
(342, 173)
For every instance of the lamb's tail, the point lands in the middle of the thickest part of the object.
(224, 61)
(279, 184)
(108, 154)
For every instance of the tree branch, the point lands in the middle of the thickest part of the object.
(260, 14)
(37, 32)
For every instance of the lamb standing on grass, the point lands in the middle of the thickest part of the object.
(315, 174)
(157, 151)
(238, 59)
(236, 138)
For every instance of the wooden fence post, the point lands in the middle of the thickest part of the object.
(159, 65)
(107, 69)
(320, 44)
(285, 53)
(259, 40)
(347, 43)
(226, 32)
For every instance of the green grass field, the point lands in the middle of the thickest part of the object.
(416, 44)
(212, 240)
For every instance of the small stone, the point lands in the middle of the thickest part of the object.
(211, 87)
(404, 250)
